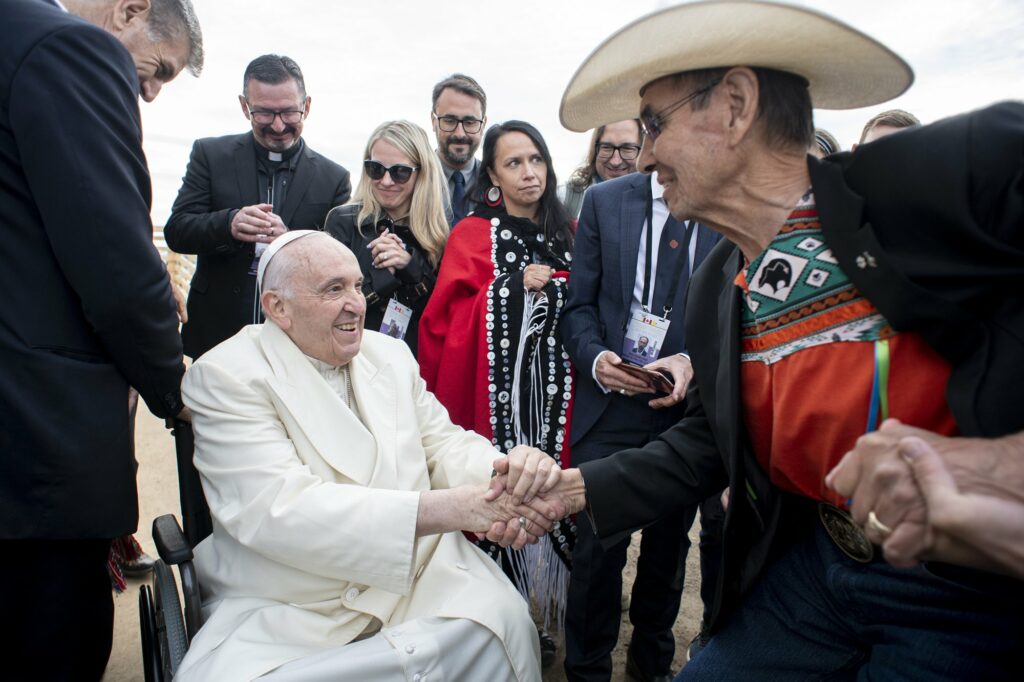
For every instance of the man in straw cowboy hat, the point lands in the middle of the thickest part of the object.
(852, 292)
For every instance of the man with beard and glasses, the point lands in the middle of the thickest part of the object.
(240, 192)
(458, 117)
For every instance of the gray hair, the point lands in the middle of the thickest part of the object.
(169, 19)
(279, 275)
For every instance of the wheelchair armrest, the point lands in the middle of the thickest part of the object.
(170, 540)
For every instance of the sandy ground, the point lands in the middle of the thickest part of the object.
(158, 494)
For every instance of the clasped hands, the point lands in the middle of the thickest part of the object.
(922, 496)
(257, 223)
(388, 252)
(527, 494)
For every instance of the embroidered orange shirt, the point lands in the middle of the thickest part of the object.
(808, 361)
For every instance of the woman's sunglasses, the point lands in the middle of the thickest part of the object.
(400, 173)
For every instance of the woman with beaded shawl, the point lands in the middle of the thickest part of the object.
(490, 342)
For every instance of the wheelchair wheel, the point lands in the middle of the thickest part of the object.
(147, 624)
(170, 623)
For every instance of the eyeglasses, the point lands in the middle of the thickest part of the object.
(628, 152)
(400, 173)
(289, 117)
(653, 123)
(448, 124)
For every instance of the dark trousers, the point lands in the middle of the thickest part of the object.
(712, 520)
(593, 610)
(57, 609)
(816, 614)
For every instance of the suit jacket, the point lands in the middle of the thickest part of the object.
(601, 289)
(88, 307)
(411, 285)
(221, 178)
(929, 225)
(314, 511)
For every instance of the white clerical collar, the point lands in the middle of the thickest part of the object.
(321, 366)
(339, 380)
(60, 5)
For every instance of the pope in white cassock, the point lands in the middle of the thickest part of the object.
(338, 487)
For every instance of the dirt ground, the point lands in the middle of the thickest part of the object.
(158, 494)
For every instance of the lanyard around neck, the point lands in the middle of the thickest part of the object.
(647, 298)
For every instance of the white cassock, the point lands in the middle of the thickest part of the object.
(314, 510)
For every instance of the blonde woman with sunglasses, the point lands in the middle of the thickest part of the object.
(397, 227)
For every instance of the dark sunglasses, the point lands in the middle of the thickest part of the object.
(400, 173)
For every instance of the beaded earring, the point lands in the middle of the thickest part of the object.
(493, 197)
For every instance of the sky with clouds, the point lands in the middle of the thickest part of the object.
(367, 61)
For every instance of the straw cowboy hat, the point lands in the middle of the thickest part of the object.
(845, 68)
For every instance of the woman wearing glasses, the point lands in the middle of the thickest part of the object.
(613, 152)
(490, 346)
(396, 226)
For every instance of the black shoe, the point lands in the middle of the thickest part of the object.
(697, 645)
(633, 671)
(139, 567)
(548, 649)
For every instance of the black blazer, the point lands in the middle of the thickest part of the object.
(412, 285)
(87, 303)
(929, 225)
(601, 289)
(220, 179)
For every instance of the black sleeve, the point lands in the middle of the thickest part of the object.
(194, 227)
(419, 271)
(636, 487)
(343, 192)
(74, 107)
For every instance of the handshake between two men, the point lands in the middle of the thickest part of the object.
(527, 494)
(920, 496)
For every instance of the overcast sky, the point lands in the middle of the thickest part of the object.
(366, 61)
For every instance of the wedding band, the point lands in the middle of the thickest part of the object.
(522, 522)
(877, 525)
(622, 391)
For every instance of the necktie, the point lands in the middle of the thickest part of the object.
(458, 197)
(671, 249)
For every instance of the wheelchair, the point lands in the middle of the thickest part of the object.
(167, 625)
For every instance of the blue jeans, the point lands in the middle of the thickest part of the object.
(815, 614)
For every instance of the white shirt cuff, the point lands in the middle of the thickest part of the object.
(593, 372)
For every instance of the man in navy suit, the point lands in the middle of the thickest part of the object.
(622, 272)
(89, 312)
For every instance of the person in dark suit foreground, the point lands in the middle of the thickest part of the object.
(613, 287)
(157, 62)
(240, 192)
(857, 298)
(90, 312)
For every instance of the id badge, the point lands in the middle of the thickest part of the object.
(396, 320)
(645, 336)
(255, 265)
